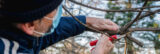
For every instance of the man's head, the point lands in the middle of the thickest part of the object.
(29, 15)
(42, 25)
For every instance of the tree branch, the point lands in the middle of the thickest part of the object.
(123, 29)
(134, 40)
(146, 7)
(134, 29)
(85, 24)
(129, 10)
(144, 29)
(148, 14)
(139, 18)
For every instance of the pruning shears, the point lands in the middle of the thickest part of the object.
(111, 38)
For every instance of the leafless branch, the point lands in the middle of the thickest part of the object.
(148, 14)
(146, 7)
(144, 29)
(123, 29)
(135, 29)
(83, 23)
(129, 10)
(134, 40)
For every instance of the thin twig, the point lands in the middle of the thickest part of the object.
(148, 14)
(125, 28)
(146, 7)
(144, 29)
(125, 47)
(139, 18)
(129, 10)
(134, 40)
(130, 23)
(132, 30)
(135, 29)
(85, 24)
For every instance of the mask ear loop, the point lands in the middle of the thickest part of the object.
(48, 18)
(40, 33)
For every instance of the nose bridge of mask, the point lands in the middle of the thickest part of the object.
(57, 18)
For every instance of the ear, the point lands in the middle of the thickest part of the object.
(28, 27)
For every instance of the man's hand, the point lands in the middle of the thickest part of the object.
(103, 46)
(102, 24)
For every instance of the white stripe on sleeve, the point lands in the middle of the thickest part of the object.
(6, 44)
(15, 47)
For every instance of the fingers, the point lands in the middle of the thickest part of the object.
(102, 24)
(108, 41)
(103, 46)
(112, 24)
(108, 27)
(96, 26)
(108, 45)
(107, 24)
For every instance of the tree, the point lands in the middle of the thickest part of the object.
(126, 14)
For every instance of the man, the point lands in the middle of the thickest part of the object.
(28, 26)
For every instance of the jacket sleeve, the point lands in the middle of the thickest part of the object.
(67, 27)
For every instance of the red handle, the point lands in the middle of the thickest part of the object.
(113, 36)
(92, 43)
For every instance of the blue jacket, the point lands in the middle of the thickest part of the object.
(21, 43)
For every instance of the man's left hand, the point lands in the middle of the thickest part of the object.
(102, 24)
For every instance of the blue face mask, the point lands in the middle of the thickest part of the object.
(56, 20)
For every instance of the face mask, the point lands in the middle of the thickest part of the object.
(56, 20)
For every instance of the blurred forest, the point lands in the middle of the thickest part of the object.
(146, 29)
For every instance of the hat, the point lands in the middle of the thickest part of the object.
(26, 10)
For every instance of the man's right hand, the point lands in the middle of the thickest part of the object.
(103, 46)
